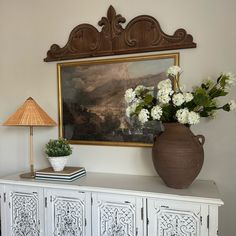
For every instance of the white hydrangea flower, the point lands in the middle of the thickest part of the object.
(163, 96)
(230, 81)
(178, 99)
(128, 111)
(139, 89)
(193, 118)
(182, 115)
(166, 91)
(173, 71)
(165, 84)
(143, 116)
(188, 97)
(131, 109)
(156, 112)
(150, 88)
(136, 101)
(232, 105)
(129, 95)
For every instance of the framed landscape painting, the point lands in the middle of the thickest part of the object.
(91, 98)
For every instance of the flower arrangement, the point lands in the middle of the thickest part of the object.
(170, 103)
(58, 148)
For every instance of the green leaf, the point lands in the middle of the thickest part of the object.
(204, 113)
(201, 97)
(219, 93)
(190, 105)
(168, 113)
(148, 99)
(204, 86)
(218, 80)
(223, 81)
(201, 100)
(209, 108)
(139, 108)
(226, 107)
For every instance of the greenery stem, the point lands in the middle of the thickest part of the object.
(176, 81)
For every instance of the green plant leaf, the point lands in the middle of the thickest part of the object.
(204, 86)
(148, 99)
(204, 113)
(58, 147)
(190, 105)
(168, 113)
(139, 108)
(201, 99)
(217, 92)
(226, 107)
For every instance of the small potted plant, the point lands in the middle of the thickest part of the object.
(58, 151)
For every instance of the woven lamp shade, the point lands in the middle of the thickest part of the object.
(30, 114)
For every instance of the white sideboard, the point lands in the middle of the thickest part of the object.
(107, 205)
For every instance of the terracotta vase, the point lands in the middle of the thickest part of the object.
(178, 155)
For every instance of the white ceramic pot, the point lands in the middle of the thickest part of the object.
(58, 163)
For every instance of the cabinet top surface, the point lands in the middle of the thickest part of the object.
(204, 191)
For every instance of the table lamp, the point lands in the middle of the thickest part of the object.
(30, 114)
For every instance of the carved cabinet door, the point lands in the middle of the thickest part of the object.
(173, 218)
(23, 211)
(68, 213)
(117, 215)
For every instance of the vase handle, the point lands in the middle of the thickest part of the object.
(201, 139)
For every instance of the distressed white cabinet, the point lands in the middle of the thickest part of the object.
(24, 211)
(118, 215)
(107, 205)
(67, 212)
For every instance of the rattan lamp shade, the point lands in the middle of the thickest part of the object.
(30, 114)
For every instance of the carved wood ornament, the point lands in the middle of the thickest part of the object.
(142, 34)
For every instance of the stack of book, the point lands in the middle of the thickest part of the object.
(68, 174)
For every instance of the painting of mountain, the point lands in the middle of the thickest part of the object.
(92, 98)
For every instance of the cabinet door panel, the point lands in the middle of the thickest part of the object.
(25, 214)
(68, 213)
(173, 218)
(117, 215)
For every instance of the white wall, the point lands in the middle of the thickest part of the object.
(28, 28)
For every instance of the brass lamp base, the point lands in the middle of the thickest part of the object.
(29, 175)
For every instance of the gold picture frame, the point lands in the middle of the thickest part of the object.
(91, 98)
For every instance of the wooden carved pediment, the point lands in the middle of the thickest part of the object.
(142, 34)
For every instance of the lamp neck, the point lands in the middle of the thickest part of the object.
(31, 151)
(31, 130)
